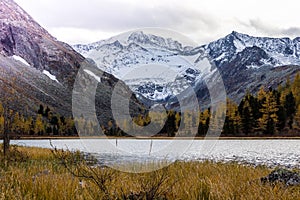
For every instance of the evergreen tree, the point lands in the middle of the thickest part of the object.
(39, 127)
(269, 118)
(296, 124)
(247, 116)
(296, 89)
(171, 124)
(70, 126)
(177, 120)
(261, 95)
(290, 108)
(28, 125)
(47, 112)
(282, 118)
(41, 110)
(232, 120)
(110, 128)
(204, 119)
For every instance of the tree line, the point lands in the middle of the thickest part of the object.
(271, 112)
(46, 123)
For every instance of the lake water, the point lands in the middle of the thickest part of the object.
(255, 152)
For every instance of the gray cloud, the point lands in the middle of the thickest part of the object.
(76, 21)
(292, 31)
(274, 30)
(118, 15)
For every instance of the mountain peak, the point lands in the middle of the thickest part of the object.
(22, 36)
(244, 35)
(12, 14)
(138, 37)
(238, 33)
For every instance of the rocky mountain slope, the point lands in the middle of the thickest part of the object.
(125, 58)
(247, 63)
(21, 36)
(39, 69)
(244, 62)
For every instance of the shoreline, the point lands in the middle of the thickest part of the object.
(41, 175)
(153, 138)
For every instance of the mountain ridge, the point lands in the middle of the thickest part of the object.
(233, 51)
(40, 70)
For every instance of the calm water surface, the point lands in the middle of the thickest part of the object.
(257, 152)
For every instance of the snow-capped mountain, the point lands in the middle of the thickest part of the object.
(237, 56)
(246, 63)
(279, 51)
(150, 65)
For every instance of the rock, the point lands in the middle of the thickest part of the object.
(285, 176)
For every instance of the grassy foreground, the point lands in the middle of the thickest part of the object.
(36, 173)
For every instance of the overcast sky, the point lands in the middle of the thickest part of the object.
(78, 21)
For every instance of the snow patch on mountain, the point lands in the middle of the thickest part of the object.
(20, 59)
(239, 45)
(52, 77)
(93, 75)
(252, 67)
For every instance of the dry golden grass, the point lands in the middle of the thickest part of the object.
(42, 176)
